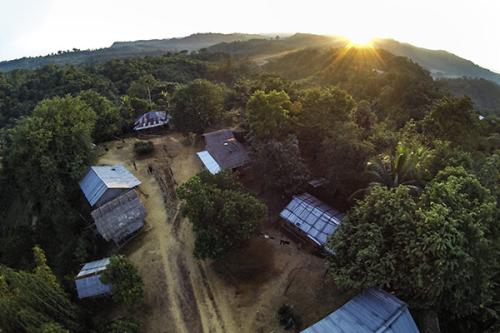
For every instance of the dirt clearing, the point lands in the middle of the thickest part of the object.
(183, 294)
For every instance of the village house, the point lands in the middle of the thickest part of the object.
(372, 311)
(117, 210)
(152, 119)
(311, 220)
(88, 282)
(223, 151)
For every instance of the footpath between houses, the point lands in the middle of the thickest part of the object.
(183, 294)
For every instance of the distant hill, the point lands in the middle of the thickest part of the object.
(441, 64)
(120, 50)
(485, 94)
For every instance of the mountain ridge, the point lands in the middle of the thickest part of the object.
(441, 63)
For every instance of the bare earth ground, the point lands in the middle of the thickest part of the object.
(183, 294)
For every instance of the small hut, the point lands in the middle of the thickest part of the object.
(223, 151)
(88, 282)
(311, 220)
(104, 183)
(120, 218)
(373, 311)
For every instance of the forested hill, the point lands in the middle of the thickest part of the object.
(441, 64)
(484, 93)
(123, 50)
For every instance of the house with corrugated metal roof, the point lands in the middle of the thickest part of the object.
(88, 282)
(372, 311)
(120, 218)
(117, 210)
(223, 151)
(104, 183)
(152, 119)
(311, 220)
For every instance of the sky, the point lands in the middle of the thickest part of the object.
(470, 29)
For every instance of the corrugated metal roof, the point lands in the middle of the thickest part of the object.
(120, 217)
(226, 149)
(101, 178)
(209, 162)
(93, 267)
(151, 119)
(373, 311)
(315, 218)
(88, 283)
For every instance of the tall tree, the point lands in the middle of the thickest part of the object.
(197, 106)
(268, 115)
(108, 121)
(280, 165)
(453, 119)
(32, 303)
(126, 284)
(223, 214)
(438, 252)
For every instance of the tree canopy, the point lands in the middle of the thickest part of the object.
(436, 251)
(197, 106)
(223, 214)
(126, 284)
(268, 114)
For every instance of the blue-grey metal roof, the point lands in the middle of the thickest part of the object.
(151, 119)
(88, 283)
(101, 178)
(209, 162)
(315, 218)
(372, 311)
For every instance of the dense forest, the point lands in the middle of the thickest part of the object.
(414, 167)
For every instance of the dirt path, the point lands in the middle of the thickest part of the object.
(183, 294)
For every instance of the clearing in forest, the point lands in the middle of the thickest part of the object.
(185, 295)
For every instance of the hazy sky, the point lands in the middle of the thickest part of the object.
(470, 29)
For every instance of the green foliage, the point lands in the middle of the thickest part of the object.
(484, 93)
(344, 157)
(108, 119)
(197, 106)
(126, 284)
(268, 114)
(452, 119)
(49, 152)
(363, 115)
(142, 148)
(42, 269)
(31, 303)
(280, 165)
(223, 215)
(437, 251)
(53, 328)
(122, 326)
(406, 167)
(322, 109)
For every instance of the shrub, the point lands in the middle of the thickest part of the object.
(142, 148)
(288, 318)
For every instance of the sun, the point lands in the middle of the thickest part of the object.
(360, 40)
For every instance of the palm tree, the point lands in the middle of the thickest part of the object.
(406, 167)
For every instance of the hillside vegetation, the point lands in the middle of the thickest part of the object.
(441, 64)
(412, 166)
(485, 94)
(124, 50)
